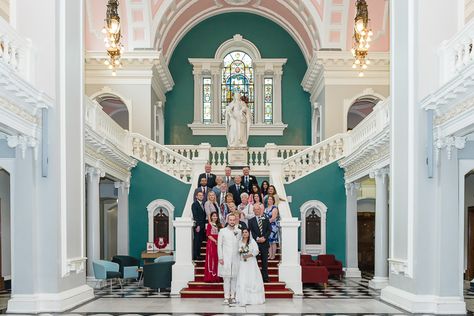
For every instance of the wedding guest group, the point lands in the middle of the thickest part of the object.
(249, 216)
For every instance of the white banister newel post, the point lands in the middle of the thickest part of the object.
(183, 269)
(203, 152)
(272, 151)
(290, 269)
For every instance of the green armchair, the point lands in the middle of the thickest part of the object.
(128, 266)
(157, 275)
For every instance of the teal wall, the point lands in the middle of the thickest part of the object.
(327, 186)
(148, 184)
(202, 42)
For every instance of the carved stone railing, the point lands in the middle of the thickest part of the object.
(15, 51)
(457, 53)
(313, 158)
(257, 156)
(370, 126)
(161, 157)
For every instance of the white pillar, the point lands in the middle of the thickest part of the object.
(352, 264)
(216, 97)
(289, 269)
(258, 97)
(380, 279)
(183, 269)
(122, 218)
(197, 95)
(93, 217)
(277, 97)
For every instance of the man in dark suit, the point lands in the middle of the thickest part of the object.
(199, 216)
(202, 188)
(210, 177)
(260, 228)
(248, 180)
(237, 189)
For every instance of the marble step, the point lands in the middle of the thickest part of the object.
(199, 277)
(194, 293)
(270, 286)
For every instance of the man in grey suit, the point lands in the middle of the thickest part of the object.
(222, 193)
(228, 179)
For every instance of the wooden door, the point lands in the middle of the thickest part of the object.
(366, 240)
(470, 243)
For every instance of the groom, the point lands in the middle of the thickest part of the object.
(260, 228)
(229, 257)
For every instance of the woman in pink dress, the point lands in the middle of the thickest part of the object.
(212, 261)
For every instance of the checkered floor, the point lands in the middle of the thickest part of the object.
(340, 289)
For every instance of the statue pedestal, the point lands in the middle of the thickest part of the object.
(237, 156)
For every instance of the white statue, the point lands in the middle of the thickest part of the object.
(237, 117)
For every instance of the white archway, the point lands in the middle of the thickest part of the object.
(320, 209)
(369, 93)
(106, 91)
(168, 208)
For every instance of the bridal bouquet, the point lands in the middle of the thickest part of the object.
(244, 250)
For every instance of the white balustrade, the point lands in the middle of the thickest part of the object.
(285, 151)
(104, 125)
(161, 157)
(15, 51)
(218, 157)
(188, 151)
(313, 158)
(457, 53)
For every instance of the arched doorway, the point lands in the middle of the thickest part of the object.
(116, 108)
(359, 110)
(313, 227)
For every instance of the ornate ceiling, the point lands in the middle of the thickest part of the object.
(314, 24)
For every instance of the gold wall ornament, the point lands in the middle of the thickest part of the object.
(113, 36)
(362, 37)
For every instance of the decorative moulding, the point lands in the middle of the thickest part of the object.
(255, 130)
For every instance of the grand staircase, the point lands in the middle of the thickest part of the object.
(200, 289)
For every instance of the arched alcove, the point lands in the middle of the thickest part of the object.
(359, 110)
(115, 107)
(313, 227)
(160, 221)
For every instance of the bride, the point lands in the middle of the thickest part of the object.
(250, 288)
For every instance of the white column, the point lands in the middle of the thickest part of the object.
(289, 269)
(122, 218)
(216, 97)
(277, 97)
(259, 110)
(197, 95)
(380, 279)
(352, 264)
(93, 217)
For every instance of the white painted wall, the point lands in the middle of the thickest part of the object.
(5, 222)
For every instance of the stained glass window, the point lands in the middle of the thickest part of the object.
(237, 74)
(206, 101)
(268, 100)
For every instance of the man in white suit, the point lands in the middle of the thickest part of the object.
(229, 257)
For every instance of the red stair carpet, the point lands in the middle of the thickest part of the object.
(200, 289)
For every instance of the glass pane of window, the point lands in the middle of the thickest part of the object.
(268, 100)
(237, 74)
(206, 100)
(313, 228)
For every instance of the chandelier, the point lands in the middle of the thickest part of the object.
(113, 36)
(362, 37)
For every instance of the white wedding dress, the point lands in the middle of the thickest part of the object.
(250, 289)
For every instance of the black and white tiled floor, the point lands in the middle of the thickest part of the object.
(340, 289)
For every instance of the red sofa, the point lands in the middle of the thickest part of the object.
(311, 272)
(334, 266)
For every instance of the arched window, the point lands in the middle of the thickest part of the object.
(237, 65)
(237, 74)
(313, 227)
(359, 110)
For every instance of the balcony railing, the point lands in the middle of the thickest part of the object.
(15, 51)
(457, 53)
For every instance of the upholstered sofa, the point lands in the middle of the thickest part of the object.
(311, 272)
(334, 266)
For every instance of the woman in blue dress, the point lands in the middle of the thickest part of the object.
(271, 212)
